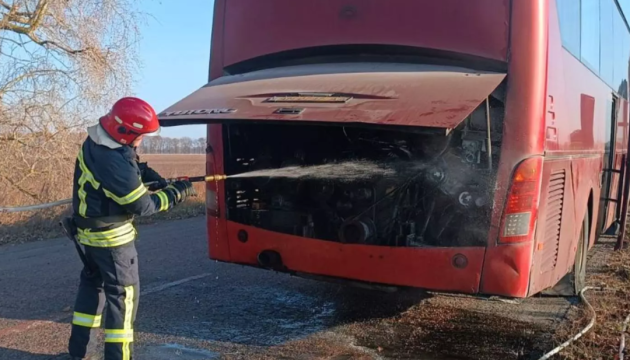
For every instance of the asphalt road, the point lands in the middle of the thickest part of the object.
(194, 308)
(190, 307)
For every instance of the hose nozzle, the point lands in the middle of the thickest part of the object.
(216, 177)
(194, 179)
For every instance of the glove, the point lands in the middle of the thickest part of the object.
(151, 176)
(182, 189)
(158, 185)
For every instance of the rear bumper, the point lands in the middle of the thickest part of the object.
(506, 270)
(428, 268)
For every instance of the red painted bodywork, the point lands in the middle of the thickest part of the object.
(555, 108)
(522, 138)
(380, 94)
(576, 119)
(379, 264)
(252, 28)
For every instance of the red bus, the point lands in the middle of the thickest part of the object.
(506, 119)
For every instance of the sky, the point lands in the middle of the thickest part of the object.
(175, 53)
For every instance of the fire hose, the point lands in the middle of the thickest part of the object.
(581, 333)
(622, 343)
(69, 227)
(69, 201)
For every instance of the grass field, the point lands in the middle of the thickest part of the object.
(40, 225)
(176, 165)
(172, 166)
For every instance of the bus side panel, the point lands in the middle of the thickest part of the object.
(218, 245)
(507, 267)
(582, 112)
(567, 180)
(586, 183)
(553, 209)
(555, 213)
(564, 202)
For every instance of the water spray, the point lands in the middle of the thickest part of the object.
(194, 179)
(345, 171)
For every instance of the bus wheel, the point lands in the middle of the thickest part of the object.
(573, 282)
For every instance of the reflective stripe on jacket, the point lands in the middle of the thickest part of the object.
(108, 182)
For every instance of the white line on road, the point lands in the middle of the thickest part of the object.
(169, 285)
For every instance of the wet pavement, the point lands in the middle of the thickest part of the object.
(194, 308)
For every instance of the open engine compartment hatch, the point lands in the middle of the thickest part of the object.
(412, 95)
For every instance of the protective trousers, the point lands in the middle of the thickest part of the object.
(110, 282)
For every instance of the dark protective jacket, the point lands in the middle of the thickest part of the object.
(109, 190)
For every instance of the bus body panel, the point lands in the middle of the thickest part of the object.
(506, 270)
(477, 27)
(218, 244)
(556, 108)
(555, 233)
(431, 268)
(523, 126)
(579, 109)
(370, 93)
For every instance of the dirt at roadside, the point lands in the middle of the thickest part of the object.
(610, 270)
(452, 327)
(414, 325)
(439, 327)
(444, 327)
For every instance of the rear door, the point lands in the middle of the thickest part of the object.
(436, 98)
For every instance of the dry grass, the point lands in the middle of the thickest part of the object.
(176, 165)
(41, 225)
(171, 166)
(610, 270)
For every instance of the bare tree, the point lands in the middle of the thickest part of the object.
(186, 145)
(62, 64)
(166, 145)
(200, 145)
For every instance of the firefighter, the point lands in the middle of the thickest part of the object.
(108, 191)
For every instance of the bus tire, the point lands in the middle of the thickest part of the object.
(573, 282)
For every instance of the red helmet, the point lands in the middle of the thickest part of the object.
(129, 118)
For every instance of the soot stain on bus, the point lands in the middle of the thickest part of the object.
(441, 194)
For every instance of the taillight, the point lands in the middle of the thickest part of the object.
(521, 208)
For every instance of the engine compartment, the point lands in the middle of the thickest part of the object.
(441, 194)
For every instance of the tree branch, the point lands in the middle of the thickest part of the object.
(12, 9)
(31, 23)
(21, 189)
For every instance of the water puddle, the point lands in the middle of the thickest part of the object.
(173, 352)
(269, 318)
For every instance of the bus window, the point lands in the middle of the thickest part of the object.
(589, 49)
(621, 48)
(607, 61)
(569, 13)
